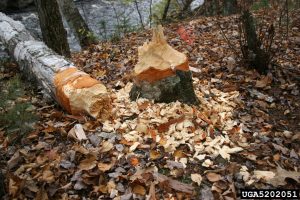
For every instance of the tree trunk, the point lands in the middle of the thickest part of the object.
(162, 73)
(140, 15)
(230, 7)
(75, 90)
(54, 34)
(166, 9)
(257, 57)
(77, 23)
(185, 8)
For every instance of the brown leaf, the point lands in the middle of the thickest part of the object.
(106, 146)
(89, 163)
(139, 189)
(154, 154)
(174, 184)
(281, 175)
(14, 160)
(266, 80)
(152, 133)
(106, 166)
(152, 192)
(42, 195)
(144, 105)
(179, 154)
(134, 161)
(165, 126)
(213, 177)
(13, 186)
(48, 176)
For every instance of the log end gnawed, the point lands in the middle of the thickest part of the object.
(79, 93)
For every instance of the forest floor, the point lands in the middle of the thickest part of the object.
(244, 134)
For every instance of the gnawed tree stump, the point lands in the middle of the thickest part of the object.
(162, 73)
(73, 89)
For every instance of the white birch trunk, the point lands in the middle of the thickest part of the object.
(75, 90)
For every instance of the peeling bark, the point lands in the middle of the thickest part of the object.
(73, 89)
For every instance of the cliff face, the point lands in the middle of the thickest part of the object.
(14, 4)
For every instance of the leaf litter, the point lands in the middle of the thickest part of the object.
(245, 133)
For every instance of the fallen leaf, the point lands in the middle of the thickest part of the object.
(152, 192)
(134, 161)
(266, 175)
(266, 80)
(106, 166)
(89, 163)
(165, 126)
(226, 151)
(154, 154)
(174, 184)
(106, 146)
(134, 146)
(48, 176)
(213, 177)
(197, 178)
(14, 160)
(280, 175)
(139, 189)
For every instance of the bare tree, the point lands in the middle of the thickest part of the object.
(166, 9)
(77, 23)
(150, 13)
(139, 12)
(53, 32)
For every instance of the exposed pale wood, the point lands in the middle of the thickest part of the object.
(162, 73)
(75, 90)
(157, 59)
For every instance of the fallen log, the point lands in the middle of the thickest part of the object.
(74, 90)
(162, 73)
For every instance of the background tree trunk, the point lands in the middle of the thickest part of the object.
(186, 7)
(230, 7)
(257, 57)
(166, 9)
(139, 13)
(53, 32)
(77, 23)
(73, 89)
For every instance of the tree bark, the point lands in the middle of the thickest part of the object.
(140, 15)
(185, 8)
(73, 89)
(53, 32)
(166, 9)
(162, 73)
(230, 7)
(77, 23)
(257, 57)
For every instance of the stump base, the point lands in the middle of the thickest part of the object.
(178, 87)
